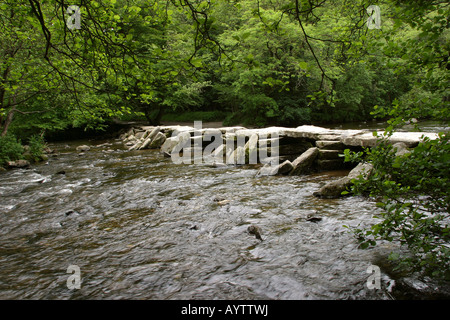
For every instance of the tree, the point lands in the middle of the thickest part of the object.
(413, 189)
(284, 62)
(24, 75)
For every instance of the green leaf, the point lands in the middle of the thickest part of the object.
(303, 65)
(364, 245)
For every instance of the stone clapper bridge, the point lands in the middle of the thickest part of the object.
(293, 151)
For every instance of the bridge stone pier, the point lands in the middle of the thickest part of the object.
(278, 150)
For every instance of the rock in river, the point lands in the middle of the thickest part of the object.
(303, 163)
(335, 188)
(18, 164)
(255, 230)
(83, 148)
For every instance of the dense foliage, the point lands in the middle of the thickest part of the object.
(10, 149)
(263, 62)
(284, 62)
(413, 190)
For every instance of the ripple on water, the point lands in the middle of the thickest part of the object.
(141, 227)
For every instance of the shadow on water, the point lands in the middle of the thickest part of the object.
(140, 227)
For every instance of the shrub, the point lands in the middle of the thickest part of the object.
(37, 145)
(10, 149)
(413, 191)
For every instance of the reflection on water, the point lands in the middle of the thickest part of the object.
(141, 227)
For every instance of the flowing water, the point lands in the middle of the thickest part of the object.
(140, 227)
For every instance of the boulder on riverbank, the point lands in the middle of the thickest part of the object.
(18, 164)
(335, 188)
(400, 149)
(303, 163)
(157, 141)
(146, 138)
(171, 143)
(269, 170)
(83, 148)
(150, 138)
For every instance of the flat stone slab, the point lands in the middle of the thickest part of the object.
(319, 133)
(231, 129)
(265, 132)
(329, 145)
(411, 139)
(325, 138)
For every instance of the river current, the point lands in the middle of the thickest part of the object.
(140, 227)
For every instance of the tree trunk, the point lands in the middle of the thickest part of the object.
(8, 121)
(9, 117)
(147, 116)
(159, 115)
(155, 121)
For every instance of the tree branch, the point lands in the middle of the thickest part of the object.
(297, 16)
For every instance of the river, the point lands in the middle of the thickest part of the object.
(140, 227)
